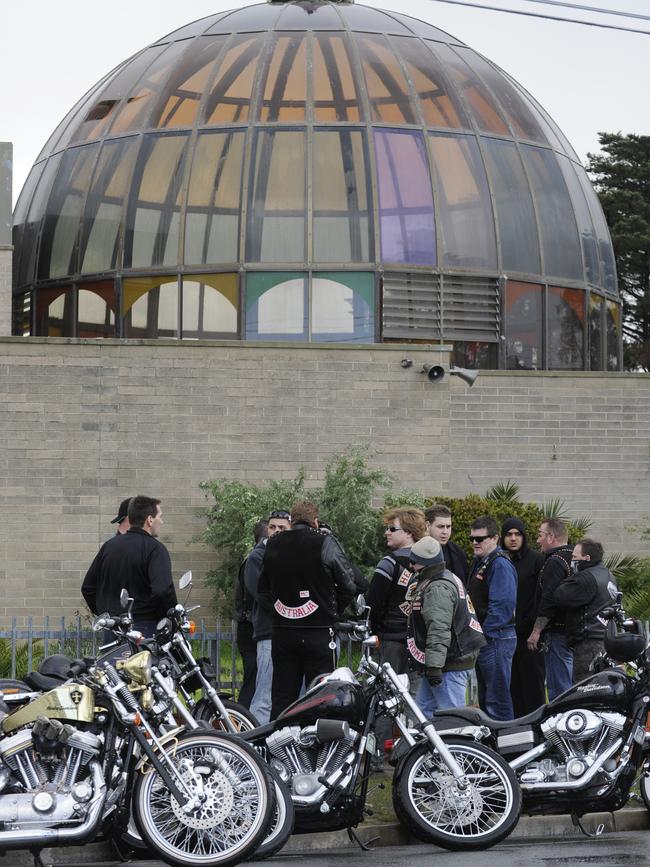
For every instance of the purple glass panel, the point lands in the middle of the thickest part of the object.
(405, 199)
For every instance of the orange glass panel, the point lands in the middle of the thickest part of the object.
(183, 92)
(566, 331)
(334, 87)
(439, 106)
(285, 88)
(230, 95)
(388, 90)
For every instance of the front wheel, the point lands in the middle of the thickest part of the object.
(240, 717)
(429, 803)
(235, 812)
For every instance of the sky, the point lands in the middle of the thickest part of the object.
(588, 79)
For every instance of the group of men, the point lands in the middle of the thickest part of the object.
(529, 621)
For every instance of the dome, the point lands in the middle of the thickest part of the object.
(317, 171)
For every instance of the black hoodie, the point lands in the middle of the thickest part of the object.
(528, 565)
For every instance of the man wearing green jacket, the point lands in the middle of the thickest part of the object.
(444, 636)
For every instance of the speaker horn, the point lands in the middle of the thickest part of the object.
(434, 372)
(468, 376)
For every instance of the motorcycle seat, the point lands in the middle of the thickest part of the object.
(260, 732)
(41, 682)
(454, 717)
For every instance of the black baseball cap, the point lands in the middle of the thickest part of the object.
(122, 512)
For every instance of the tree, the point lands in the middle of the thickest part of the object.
(621, 175)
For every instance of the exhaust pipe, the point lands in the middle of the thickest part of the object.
(581, 781)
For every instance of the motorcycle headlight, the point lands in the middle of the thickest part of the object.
(137, 667)
(163, 630)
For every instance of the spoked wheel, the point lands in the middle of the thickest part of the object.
(435, 809)
(235, 812)
(282, 820)
(241, 718)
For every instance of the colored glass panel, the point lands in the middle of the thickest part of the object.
(342, 307)
(340, 197)
(231, 92)
(523, 326)
(277, 209)
(405, 198)
(214, 199)
(55, 312)
(150, 307)
(333, 83)
(96, 309)
(388, 90)
(153, 216)
(438, 103)
(613, 333)
(276, 306)
(566, 319)
(284, 88)
(466, 221)
(210, 305)
(595, 332)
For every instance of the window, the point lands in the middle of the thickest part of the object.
(210, 305)
(55, 312)
(343, 307)
(405, 198)
(388, 90)
(566, 316)
(613, 325)
(595, 332)
(523, 326)
(284, 88)
(150, 307)
(276, 306)
(96, 309)
(334, 85)
(230, 94)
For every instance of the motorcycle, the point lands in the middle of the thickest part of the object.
(76, 760)
(581, 752)
(457, 794)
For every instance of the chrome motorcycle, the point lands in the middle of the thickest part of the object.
(582, 752)
(77, 759)
(457, 794)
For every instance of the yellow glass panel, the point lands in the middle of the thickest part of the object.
(454, 172)
(227, 284)
(335, 92)
(230, 96)
(285, 91)
(388, 90)
(135, 287)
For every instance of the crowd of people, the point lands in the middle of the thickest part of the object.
(527, 621)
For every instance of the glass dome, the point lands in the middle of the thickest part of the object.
(317, 171)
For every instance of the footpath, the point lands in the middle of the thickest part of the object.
(386, 834)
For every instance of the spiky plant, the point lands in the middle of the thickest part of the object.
(555, 508)
(504, 493)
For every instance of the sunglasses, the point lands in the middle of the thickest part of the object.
(476, 540)
(392, 529)
(279, 513)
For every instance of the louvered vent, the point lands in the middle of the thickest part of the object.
(411, 306)
(471, 308)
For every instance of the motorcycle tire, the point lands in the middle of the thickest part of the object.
(240, 716)
(282, 820)
(233, 820)
(430, 806)
(644, 789)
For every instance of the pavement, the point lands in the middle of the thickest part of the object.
(386, 834)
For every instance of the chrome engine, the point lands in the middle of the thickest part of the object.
(579, 742)
(302, 755)
(45, 776)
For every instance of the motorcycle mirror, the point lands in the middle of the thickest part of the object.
(360, 604)
(100, 622)
(126, 601)
(185, 580)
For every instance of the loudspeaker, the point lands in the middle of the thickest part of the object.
(468, 376)
(434, 372)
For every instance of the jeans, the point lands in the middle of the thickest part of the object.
(452, 692)
(261, 703)
(298, 654)
(559, 664)
(493, 669)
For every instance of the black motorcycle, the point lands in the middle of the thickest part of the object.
(457, 794)
(581, 752)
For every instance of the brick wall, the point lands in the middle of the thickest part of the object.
(84, 424)
(5, 290)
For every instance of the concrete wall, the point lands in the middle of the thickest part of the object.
(6, 173)
(84, 424)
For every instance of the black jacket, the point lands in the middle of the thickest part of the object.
(306, 579)
(386, 597)
(583, 596)
(528, 565)
(261, 614)
(456, 560)
(135, 561)
(556, 568)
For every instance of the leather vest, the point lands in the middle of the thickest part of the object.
(466, 633)
(590, 623)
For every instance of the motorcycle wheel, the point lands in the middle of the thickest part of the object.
(282, 820)
(428, 803)
(644, 788)
(240, 716)
(232, 821)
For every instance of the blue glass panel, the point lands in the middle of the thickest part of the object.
(405, 199)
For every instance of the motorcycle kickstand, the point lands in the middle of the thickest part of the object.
(366, 847)
(597, 833)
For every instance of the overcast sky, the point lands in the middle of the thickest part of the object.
(588, 79)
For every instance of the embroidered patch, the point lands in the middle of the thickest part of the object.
(304, 594)
(295, 613)
(405, 608)
(414, 650)
(474, 624)
(404, 578)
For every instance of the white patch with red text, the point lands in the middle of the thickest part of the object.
(304, 594)
(295, 613)
(414, 650)
(404, 578)
(474, 624)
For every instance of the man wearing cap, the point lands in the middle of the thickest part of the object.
(493, 591)
(278, 521)
(122, 518)
(444, 636)
(137, 561)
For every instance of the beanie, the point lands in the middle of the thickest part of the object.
(427, 552)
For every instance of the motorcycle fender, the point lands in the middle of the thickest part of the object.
(399, 770)
(163, 741)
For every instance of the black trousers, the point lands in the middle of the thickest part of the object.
(248, 651)
(297, 653)
(527, 679)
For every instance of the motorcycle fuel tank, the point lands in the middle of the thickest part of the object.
(74, 702)
(330, 699)
(607, 689)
